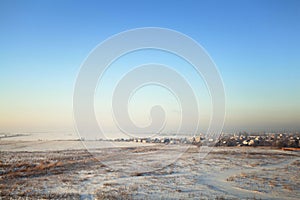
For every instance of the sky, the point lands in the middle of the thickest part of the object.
(254, 44)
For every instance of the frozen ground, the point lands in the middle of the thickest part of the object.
(60, 145)
(65, 170)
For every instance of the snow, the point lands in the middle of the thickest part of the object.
(129, 170)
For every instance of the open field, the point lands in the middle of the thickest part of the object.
(65, 170)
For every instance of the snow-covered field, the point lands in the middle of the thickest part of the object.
(66, 170)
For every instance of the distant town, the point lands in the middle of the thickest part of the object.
(278, 140)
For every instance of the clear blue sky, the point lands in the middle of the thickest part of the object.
(255, 45)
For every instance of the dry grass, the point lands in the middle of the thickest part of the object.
(287, 187)
(21, 174)
(244, 175)
(231, 178)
